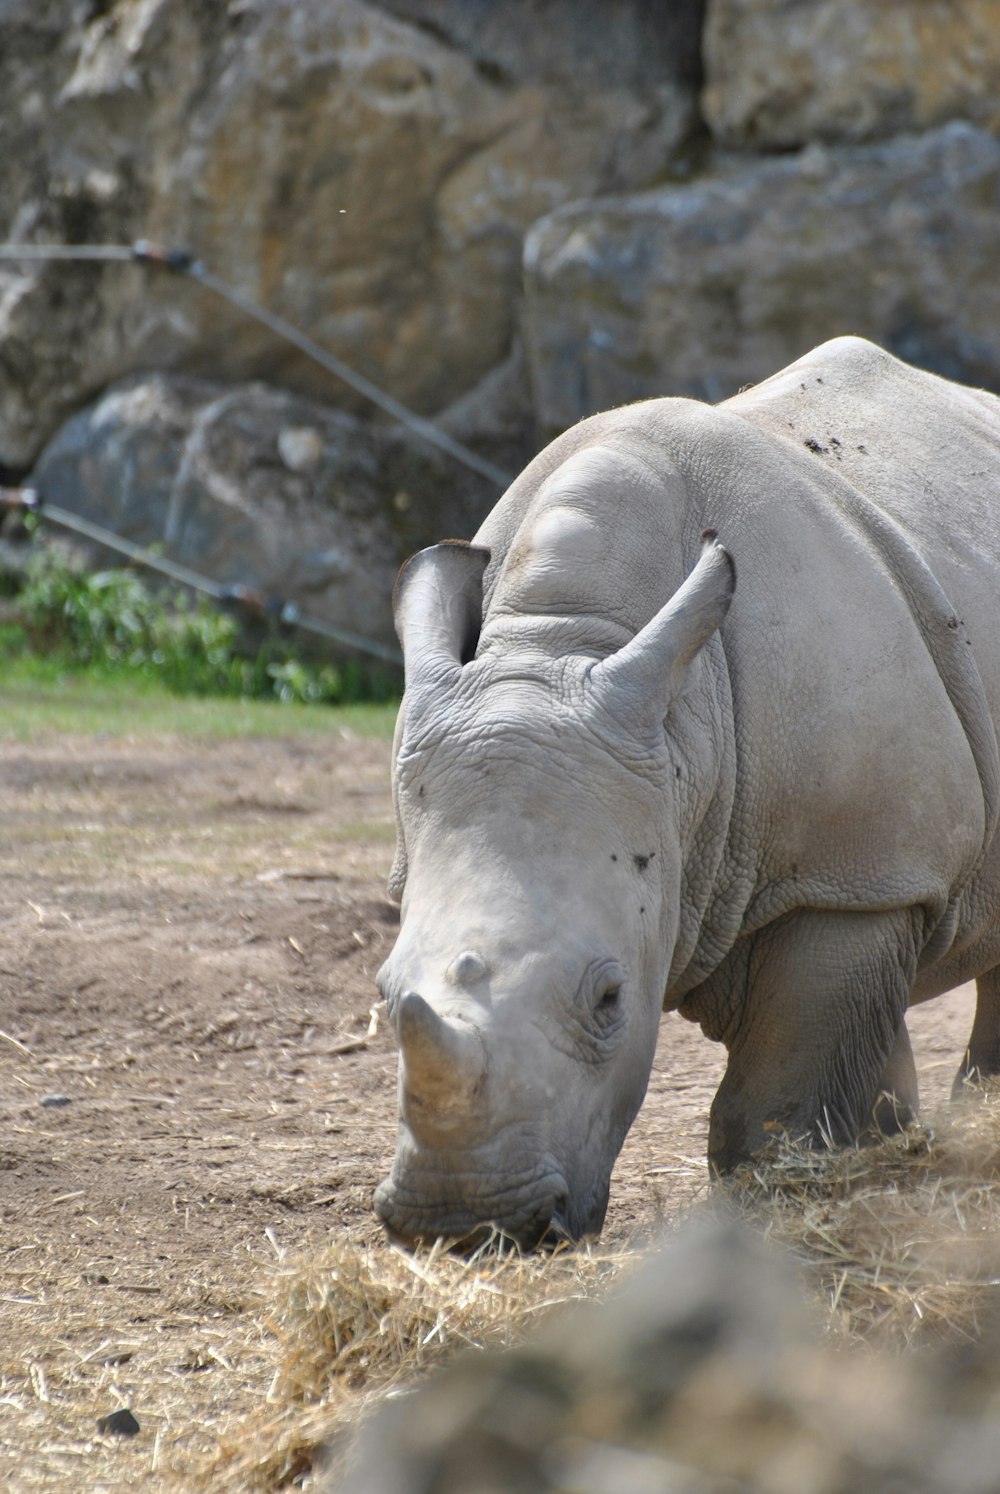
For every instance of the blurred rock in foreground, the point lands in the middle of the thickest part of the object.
(698, 1376)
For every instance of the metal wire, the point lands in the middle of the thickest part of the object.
(181, 262)
(102, 536)
(286, 612)
(68, 251)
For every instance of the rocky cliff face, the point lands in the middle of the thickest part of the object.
(700, 288)
(782, 74)
(368, 175)
(254, 486)
(705, 187)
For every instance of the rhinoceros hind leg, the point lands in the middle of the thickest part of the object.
(982, 1057)
(825, 1001)
(898, 1100)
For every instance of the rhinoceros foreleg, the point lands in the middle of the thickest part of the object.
(825, 998)
(982, 1057)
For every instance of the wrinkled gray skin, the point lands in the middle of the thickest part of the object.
(618, 793)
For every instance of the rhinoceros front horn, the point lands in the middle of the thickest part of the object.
(438, 609)
(443, 1061)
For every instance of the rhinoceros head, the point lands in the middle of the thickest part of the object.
(540, 868)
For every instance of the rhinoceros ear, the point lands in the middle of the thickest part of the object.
(438, 609)
(652, 667)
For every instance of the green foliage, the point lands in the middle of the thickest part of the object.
(112, 623)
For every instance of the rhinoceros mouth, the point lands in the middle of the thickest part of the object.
(527, 1215)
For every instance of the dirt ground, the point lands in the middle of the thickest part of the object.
(194, 1079)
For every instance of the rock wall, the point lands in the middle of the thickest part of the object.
(252, 485)
(507, 216)
(369, 177)
(850, 186)
(701, 288)
(783, 72)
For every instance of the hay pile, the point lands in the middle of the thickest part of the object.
(354, 1325)
(900, 1243)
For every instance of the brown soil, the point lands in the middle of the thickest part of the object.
(194, 1080)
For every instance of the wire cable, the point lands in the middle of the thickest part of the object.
(143, 251)
(30, 501)
(182, 262)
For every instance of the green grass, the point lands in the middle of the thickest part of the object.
(40, 699)
(104, 654)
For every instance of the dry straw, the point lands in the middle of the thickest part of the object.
(901, 1241)
(357, 1324)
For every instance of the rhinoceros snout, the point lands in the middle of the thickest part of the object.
(539, 1221)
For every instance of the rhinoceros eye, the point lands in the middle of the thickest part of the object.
(606, 1008)
(603, 986)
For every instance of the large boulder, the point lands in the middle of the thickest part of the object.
(698, 1376)
(252, 486)
(361, 174)
(655, 42)
(782, 74)
(700, 288)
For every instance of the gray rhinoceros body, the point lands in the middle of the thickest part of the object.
(618, 793)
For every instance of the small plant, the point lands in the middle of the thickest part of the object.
(112, 622)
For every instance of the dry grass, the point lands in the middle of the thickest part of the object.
(175, 1381)
(901, 1242)
(355, 1325)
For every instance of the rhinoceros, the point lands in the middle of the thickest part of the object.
(623, 784)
